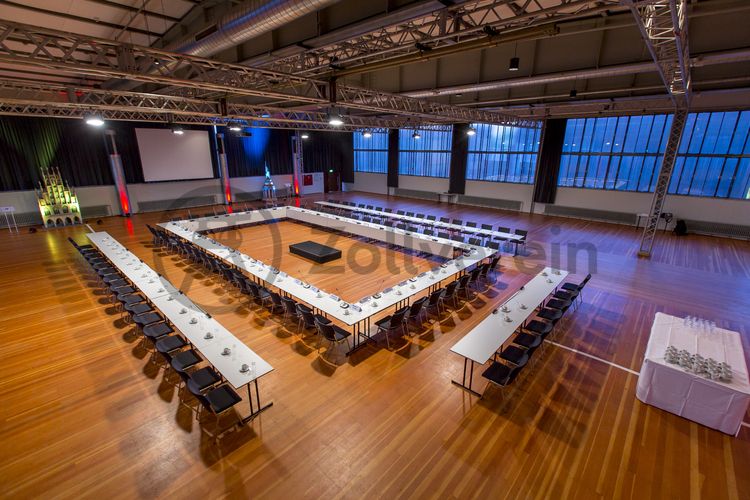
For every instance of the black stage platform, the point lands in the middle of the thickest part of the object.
(315, 251)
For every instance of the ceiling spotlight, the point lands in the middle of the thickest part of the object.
(177, 130)
(573, 93)
(305, 135)
(335, 119)
(471, 131)
(514, 62)
(366, 134)
(94, 120)
(416, 135)
(234, 126)
(459, 94)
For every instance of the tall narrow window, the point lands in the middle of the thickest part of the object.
(371, 151)
(502, 153)
(425, 152)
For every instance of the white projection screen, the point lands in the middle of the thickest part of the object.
(170, 157)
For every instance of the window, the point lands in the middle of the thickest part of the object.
(427, 156)
(622, 153)
(714, 156)
(371, 153)
(502, 153)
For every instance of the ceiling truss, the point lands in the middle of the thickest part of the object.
(198, 77)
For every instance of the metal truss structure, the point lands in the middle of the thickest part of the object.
(451, 26)
(663, 25)
(34, 99)
(200, 78)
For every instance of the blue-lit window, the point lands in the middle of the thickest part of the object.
(371, 153)
(502, 153)
(427, 156)
(714, 156)
(622, 153)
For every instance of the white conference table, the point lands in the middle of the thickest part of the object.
(356, 315)
(435, 223)
(148, 281)
(484, 340)
(715, 404)
(191, 321)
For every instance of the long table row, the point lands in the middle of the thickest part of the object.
(484, 340)
(231, 357)
(356, 315)
(434, 223)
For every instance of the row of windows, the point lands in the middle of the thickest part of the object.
(502, 153)
(624, 153)
(619, 153)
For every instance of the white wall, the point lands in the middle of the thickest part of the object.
(683, 207)
(88, 196)
(157, 191)
(255, 183)
(501, 191)
(430, 184)
(368, 183)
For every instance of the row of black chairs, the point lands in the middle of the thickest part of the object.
(455, 293)
(427, 226)
(257, 294)
(511, 360)
(203, 382)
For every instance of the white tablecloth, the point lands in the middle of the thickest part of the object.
(715, 404)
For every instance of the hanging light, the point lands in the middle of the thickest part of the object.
(471, 131)
(514, 63)
(234, 126)
(416, 135)
(94, 120)
(366, 134)
(177, 130)
(573, 93)
(334, 118)
(305, 135)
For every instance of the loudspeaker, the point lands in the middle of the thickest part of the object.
(32, 230)
(680, 228)
(99, 222)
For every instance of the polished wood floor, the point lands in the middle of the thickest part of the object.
(86, 412)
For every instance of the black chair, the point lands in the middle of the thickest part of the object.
(577, 288)
(218, 402)
(428, 232)
(541, 328)
(522, 241)
(185, 360)
(155, 331)
(515, 355)
(527, 340)
(276, 303)
(170, 343)
(290, 309)
(332, 333)
(488, 227)
(501, 374)
(306, 319)
(457, 222)
(471, 224)
(392, 323)
(415, 312)
(463, 285)
(449, 294)
(434, 303)
(201, 380)
(443, 235)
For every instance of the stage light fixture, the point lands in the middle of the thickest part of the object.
(366, 134)
(234, 126)
(471, 131)
(177, 130)
(305, 135)
(94, 120)
(573, 93)
(416, 135)
(514, 64)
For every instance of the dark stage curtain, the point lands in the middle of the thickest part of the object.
(459, 157)
(325, 151)
(545, 189)
(247, 156)
(29, 144)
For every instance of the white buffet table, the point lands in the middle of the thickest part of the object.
(715, 404)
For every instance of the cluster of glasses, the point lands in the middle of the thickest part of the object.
(709, 368)
(701, 324)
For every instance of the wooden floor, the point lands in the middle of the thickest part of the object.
(86, 413)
